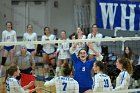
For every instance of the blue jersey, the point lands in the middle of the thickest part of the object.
(82, 71)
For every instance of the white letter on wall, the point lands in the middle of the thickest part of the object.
(130, 18)
(109, 12)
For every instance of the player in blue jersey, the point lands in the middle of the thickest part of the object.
(83, 67)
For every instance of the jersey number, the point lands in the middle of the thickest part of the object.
(7, 87)
(83, 69)
(65, 85)
(106, 83)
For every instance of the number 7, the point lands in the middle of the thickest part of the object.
(65, 85)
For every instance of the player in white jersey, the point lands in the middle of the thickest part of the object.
(30, 36)
(93, 35)
(62, 51)
(123, 80)
(101, 81)
(48, 50)
(79, 35)
(8, 35)
(64, 84)
(13, 85)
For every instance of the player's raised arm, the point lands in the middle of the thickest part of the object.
(99, 56)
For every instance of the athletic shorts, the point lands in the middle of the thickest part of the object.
(8, 48)
(83, 89)
(30, 50)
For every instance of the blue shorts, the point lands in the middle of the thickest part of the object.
(47, 53)
(83, 89)
(30, 50)
(8, 48)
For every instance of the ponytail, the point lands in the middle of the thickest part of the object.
(7, 72)
(129, 67)
(101, 65)
(10, 71)
(126, 64)
(66, 69)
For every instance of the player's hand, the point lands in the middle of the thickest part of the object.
(38, 88)
(74, 45)
(31, 83)
(90, 45)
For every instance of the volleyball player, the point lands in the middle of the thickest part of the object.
(64, 84)
(79, 35)
(8, 35)
(13, 85)
(93, 35)
(83, 67)
(101, 81)
(123, 80)
(62, 51)
(30, 36)
(48, 50)
(24, 60)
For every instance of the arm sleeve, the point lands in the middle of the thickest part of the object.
(111, 88)
(59, 47)
(76, 85)
(50, 83)
(123, 84)
(18, 88)
(35, 39)
(84, 38)
(92, 62)
(2, 37)
(15, 37)
(88, 37)
(74, 57)
(53, 38)
(96, 84)
(42, 39)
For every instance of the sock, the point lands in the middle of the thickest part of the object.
(3, 60)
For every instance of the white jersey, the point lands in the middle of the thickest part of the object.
(48, 48)
(123, 81)
(30, 37)
(9, 36)
(80, 45)
(64, 84)
(101, 82)
(13, 86)
(96, 45)
(63, 50)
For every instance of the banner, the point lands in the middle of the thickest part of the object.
(118, 13)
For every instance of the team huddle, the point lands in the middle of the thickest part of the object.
(75, 77)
